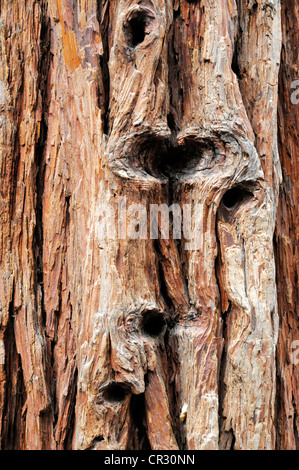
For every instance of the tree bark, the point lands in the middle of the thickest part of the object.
(121, 325)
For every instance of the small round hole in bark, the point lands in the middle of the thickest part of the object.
(115, 393)
(153, 323)
(235, 196)
(138, 25)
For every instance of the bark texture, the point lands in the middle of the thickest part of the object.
(287, 235)
(129, 341)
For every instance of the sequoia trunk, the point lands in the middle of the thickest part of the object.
(148, 161)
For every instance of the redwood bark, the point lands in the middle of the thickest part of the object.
(133, 341)
(287, 235)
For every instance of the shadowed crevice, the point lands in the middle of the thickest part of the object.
(223, 359)
(103, 17)
(13, 424)
(137, 410)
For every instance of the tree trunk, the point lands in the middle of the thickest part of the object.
(145, 176)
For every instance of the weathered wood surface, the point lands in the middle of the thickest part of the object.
(287, 234)
(104, 341)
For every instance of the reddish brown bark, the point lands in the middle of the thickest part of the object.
(130, 343)
(287, 234)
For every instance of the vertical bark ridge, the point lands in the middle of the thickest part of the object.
(24, 101)
(286, 235)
